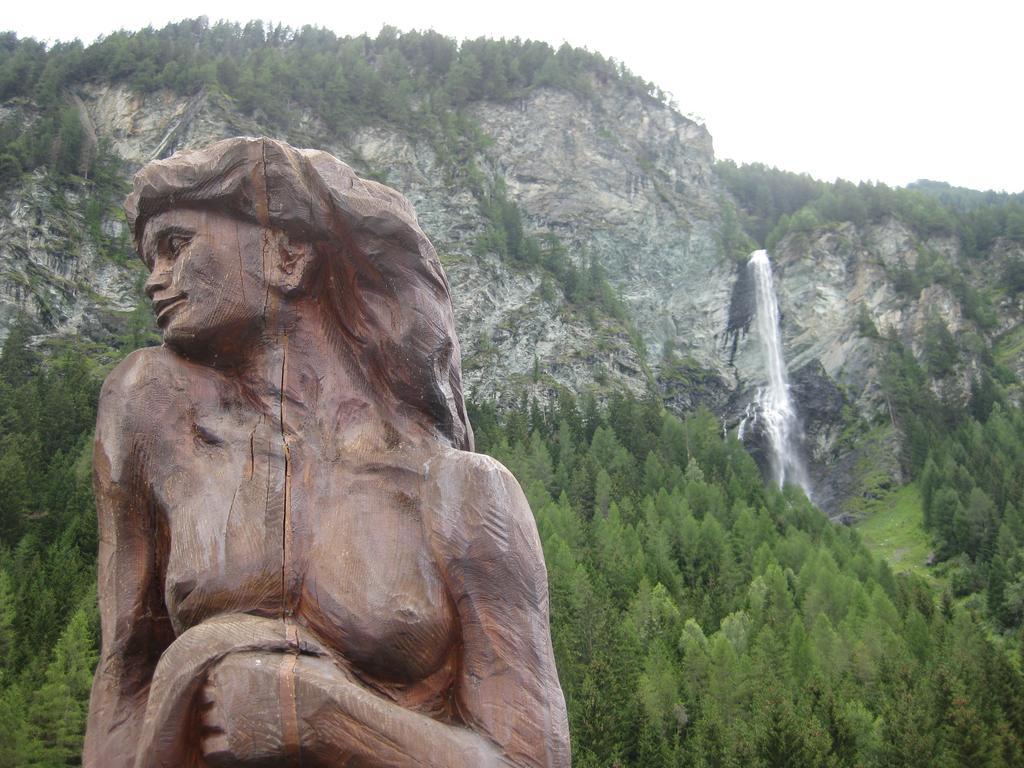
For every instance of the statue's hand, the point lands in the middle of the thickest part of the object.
(240, 713)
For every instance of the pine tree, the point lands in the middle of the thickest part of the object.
(996, 593)
(15, 749)
(8, 640)
(57, 711)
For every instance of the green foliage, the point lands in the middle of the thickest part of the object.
(735, 242)
(585, 286)
(895, 530)
(48, 631)
(968, 464)
(697, 616)
(766, 194)
(939, 347)
(865, 323)
(775, 203)
(419, 82)
(103, 205)
(57, 713)
(506, 236)
(1013, 274)
(962, 198)
(739, 626)
(415, 80)
(10, 168)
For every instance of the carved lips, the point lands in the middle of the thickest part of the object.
(163, 307)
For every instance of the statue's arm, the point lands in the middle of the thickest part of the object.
(507, 691)
(508, 688)
(134, 625)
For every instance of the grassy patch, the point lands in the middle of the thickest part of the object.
(1010, 347)
(875, 467)
(449, 259)
(895, 531)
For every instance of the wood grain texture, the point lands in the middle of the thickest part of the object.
(302, 563)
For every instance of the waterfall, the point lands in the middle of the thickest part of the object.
(772, 410)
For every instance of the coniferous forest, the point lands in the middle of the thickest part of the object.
(700, 617)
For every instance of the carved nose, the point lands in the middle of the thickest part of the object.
(157, 279)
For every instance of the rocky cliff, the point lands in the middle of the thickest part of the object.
(619, 181)
(629, 184)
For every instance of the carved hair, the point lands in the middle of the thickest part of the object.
(384, 280)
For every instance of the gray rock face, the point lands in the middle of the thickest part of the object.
(833, 282)
(51, 270)
(631, 184)
(628, 183)
(625, 182)
(829, 281)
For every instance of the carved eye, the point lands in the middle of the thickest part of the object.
(175, 244)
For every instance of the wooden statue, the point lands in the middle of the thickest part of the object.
(301, 562)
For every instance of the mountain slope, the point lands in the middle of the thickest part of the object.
(699, 616)
(590, 239)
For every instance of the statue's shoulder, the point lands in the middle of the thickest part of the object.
(138, 387)
(149, 365)
(478, 474)
(477, 499)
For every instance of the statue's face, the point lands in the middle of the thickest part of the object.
(207, 280)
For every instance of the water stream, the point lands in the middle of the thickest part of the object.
(772, 411)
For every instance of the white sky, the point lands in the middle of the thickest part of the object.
(864, 90)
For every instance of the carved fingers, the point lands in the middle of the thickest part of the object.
(349, 724)
(242, 716)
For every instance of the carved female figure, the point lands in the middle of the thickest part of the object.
(301, 563)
